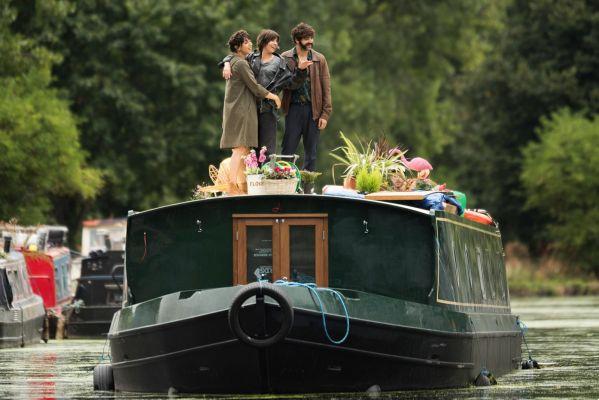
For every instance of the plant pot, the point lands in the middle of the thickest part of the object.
(255, 184)
(349, 182)
(308, 187)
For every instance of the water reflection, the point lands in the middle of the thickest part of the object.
(563, 337)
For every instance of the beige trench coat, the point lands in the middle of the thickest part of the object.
(240, 113)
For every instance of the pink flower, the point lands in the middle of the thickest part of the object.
(250, 160)
(262, 157)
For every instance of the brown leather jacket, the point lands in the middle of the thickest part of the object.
(320, 86)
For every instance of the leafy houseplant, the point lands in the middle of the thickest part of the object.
(308, 179)
(369, 157)
(369, 181)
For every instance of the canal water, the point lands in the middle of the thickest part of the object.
(563, 336)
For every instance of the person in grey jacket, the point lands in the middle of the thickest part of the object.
(272, 72)
(240, 120)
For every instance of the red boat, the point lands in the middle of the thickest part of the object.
(49, 266)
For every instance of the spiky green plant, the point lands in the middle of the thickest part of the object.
(369, 157)
(369, 181)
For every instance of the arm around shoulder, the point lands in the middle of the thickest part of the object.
(244, 71)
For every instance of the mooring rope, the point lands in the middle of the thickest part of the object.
(314, 289)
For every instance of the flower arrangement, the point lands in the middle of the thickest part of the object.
(256, 165)
(253, 163)
(279, 171)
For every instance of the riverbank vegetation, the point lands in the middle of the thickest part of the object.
(109, 106)
(545, 275)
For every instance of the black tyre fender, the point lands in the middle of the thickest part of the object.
(103, 377)
(272, 291)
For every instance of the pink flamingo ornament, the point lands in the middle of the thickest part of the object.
(419, 165)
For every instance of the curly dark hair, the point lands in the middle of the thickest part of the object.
(266, 36)
(302, 31)
(237, 39)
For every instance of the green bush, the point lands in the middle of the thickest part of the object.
(369, 182)
(561, 178)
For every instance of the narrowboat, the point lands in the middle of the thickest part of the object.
(49, 265)
(98, 295)
(21, 311)
(308, 293)
(103, 234)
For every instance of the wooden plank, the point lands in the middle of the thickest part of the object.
(281, 215)
(419, 195)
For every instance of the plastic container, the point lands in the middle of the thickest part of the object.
(461, 198)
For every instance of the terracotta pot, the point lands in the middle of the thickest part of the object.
(349, 182)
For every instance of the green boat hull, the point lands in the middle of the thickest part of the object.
(426, 297)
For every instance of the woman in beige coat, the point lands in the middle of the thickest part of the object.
(240, 115)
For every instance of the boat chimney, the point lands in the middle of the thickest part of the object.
(7, 240)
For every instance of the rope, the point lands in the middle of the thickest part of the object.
(102, 356)
(314, 289)
(523, 328)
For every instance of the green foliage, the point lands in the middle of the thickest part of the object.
(367, 156)
(561, 177)
(309, 176)
(546, 58)
(39, 143)
(369, 181)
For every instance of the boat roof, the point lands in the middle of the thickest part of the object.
(326, 196)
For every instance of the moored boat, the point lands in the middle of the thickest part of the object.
(420, 298)
(49, 265)
(21, 311)
(98, 295)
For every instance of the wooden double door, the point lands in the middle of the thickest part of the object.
(291, 246)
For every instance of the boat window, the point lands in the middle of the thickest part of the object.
(259, 253)
(15, 283)
(481, 276)
(6, 290)
(302, 254)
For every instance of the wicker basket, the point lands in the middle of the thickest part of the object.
(257, 184)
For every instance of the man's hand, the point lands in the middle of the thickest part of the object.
(227, 70)
(303, 64)
(322, 123)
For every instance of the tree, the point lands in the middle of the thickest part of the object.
(561, 176)
(547, 58)
(143, 79)
(39, 141)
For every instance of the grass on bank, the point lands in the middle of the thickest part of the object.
(546, 276)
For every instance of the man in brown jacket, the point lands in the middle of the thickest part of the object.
(308, 107)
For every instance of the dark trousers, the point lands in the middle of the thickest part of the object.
(299, 124)
(267, 132)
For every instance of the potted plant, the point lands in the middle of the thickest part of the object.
(369, 157)
(369, 181)
(280, 177)
(308, 179)
(253, 171)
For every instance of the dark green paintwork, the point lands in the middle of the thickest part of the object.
(404, 254)
(395, 258)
